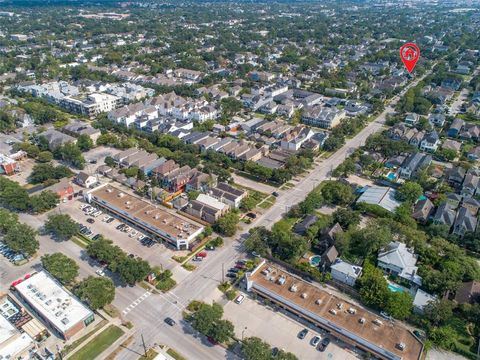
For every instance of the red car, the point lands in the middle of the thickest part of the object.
(202, 254)
(240, 266)
(212, 340)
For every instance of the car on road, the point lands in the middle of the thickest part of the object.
(170, 321)
(90, 220)
(302, 334)
(315, 340)
(239, 299)
(100, 272)
(324, 344)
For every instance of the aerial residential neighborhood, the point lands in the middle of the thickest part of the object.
(239, 180)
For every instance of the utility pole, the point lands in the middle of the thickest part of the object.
(144, 346)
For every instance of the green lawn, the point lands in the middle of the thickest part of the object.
(98, 344)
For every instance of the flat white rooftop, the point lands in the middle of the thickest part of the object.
(52, 301)
(12, 342)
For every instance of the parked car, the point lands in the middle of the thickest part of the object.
(276, 194)
(133, 233)
(239, 299)
(126, 228)
(302, 334)
(141, 237)
(170, 321)
(120, 227)
(315, 340)
(100, 272)
(275, 351)
(197, 258)
(90, 220)
(110, 220)
(386, 315)
(97, 213)
(323, 346)
(231, 275)
(96, 237)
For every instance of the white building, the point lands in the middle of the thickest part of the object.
(54, 305)
(345, 272)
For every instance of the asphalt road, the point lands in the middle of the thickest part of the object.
(147, 311)
(201, 284)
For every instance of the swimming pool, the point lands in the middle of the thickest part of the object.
(395, 288)
(315, 260)
(391, 176)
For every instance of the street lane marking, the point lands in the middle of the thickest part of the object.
(136, 303)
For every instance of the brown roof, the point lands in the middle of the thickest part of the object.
(468, 293)
(315, 302)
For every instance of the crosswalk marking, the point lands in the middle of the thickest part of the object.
(136, 303)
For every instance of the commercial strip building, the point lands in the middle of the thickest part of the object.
(13, 343)
(346, 321)
(152, 220)
(54, 305)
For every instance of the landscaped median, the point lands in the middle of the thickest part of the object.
(98, 344)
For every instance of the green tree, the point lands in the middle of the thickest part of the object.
(61, 225)
(71, 154)
(227, 225)
(45, 157)
(46, 200)
(439, 312)
(366, 241)
(12, 195)
(207, 317)
(96, 291)
(132, 270)
(410, 191)
(254, 348)
(222, 331)
(373, 287)
(7, 220)
(346, 217)
(84, 142)
(399, 305)
(43, 172)
(22, 238)
(282, 355)
(62, 267)
(337, 193)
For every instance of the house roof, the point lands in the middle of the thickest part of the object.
(468, 292)
(398, 254)
(347, 268)
(381, 196)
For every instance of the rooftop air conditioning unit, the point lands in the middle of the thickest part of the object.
(332, 311)
(304, 295)
(293, 288)
(318, 301)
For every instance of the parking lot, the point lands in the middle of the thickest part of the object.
(254, 319)
(155, 254)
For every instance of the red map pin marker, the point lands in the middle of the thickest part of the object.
(410, 53)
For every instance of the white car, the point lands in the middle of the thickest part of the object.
(239, 299)
(97, 213)
(105, 218)
(133, 234)
(83, 206)
(100, 272)
(141, 237)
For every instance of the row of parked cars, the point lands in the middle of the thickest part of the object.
(321, 346)
(239, 266)
(10, 254)
(132, 233)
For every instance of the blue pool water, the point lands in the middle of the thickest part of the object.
(315, 260)
(391, 176)
(395, 288)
